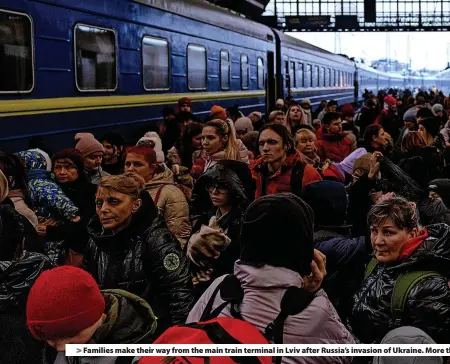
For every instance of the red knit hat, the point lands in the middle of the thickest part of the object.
(185, 101)
(390, 100)
(63, 302)
(218, 112)
(347, 110)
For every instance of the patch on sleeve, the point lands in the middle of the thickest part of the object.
(171, 262)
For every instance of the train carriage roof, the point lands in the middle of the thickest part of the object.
(297, 43)
(208, 13)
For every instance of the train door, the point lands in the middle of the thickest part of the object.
(287, 77)
(271, 82)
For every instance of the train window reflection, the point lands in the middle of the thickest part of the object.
(260, 73)
(224, 70)
(196, 60)
(300, 78)
(244, 71)
(155, 63)
(95, 58)
(308, 76)
(16, 53)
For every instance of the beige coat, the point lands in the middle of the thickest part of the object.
(172, 204)
(17, 198)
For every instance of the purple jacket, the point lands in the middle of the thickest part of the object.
(264, 287)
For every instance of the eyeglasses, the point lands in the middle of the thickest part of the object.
(219, 188)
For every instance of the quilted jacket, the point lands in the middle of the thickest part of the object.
(428, 305)
(172, 204)
(143, 259)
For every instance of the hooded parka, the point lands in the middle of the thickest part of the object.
(143, 259)
(129, 320)
(16, 278)
(238, 178)
(171, 202)
(428, 304)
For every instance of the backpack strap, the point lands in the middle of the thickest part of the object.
(297, 178)
(218, 335)
(370, 267)
(158, 193)
(294, 301)
(402, 288)
(124, 360)
(231, 292)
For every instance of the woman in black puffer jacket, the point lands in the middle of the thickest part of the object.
(401, 245)
(131, 249)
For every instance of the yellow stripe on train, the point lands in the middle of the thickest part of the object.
(70, 104)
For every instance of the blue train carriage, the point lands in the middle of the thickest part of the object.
(111, 65)
(309, 71)
(443, 81)
(372, 79)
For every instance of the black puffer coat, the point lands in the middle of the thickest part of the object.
(144, 259)
(428, 305)
(16, 278)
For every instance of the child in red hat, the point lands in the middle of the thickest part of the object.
(65, 306)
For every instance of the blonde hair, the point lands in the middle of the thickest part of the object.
(304, 131)
(129, 184)
(289, 122)
(226, 128)
(412, 140)
(273, 115)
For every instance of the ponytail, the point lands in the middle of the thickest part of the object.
(226, 128)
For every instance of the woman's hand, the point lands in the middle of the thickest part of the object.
(42, 227)
(374, 164)
(313, 282)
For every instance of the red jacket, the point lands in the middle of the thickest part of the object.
(333, 147)
(280, 181)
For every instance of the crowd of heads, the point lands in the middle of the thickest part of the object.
(315, 188)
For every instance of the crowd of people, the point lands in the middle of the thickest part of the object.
(341, 213)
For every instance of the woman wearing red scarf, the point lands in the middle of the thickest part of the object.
(401, 245)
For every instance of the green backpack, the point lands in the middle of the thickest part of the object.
(402, 288)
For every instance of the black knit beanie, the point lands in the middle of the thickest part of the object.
(278, 230)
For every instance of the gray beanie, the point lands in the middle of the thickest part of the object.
(437, 108)
(407, 335)
(305, 101)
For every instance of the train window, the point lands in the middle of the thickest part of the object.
(260, 73)
(244, 71)
(316, 77)
(308, 76)
(224, 70)
(339, 82)
(96, 65)
(327, 77)
(293, 75)
(300, 76)
(16, 53)
(322, 77)
(333, 78)
(196, 60)
(155, 63)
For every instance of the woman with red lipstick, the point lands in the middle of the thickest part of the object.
(400, 246)
(280, 167)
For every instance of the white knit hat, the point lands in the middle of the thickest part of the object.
(152, 136)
